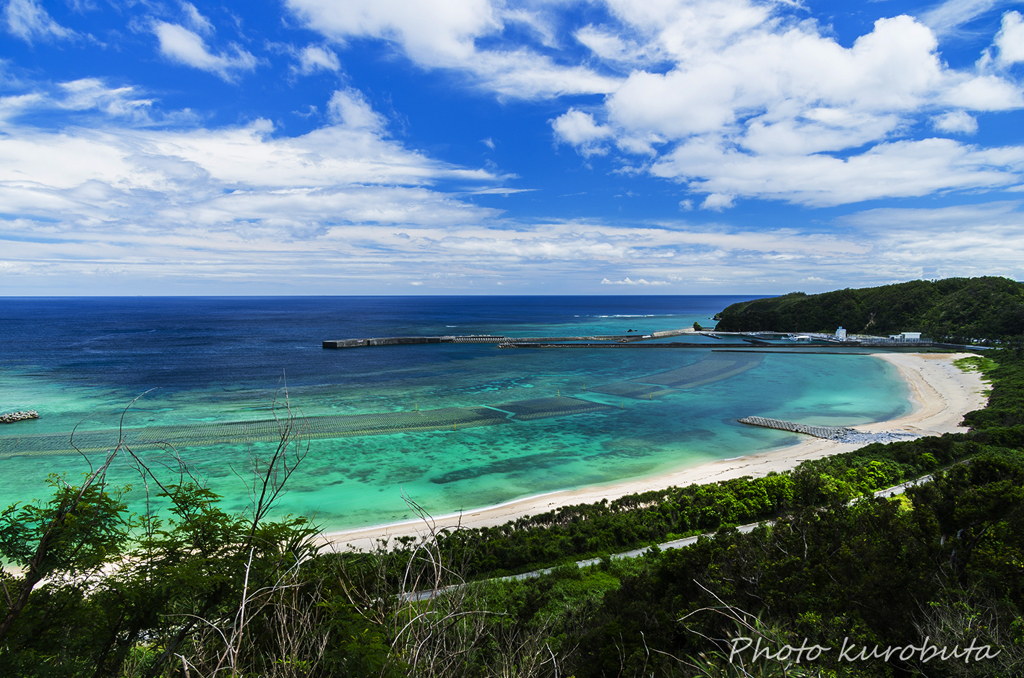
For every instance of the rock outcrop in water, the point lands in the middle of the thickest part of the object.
(12, 417)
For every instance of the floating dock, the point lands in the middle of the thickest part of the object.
(827, 432)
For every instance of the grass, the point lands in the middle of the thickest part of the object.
(977, 363)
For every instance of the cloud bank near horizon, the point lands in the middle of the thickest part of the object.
(283, 167)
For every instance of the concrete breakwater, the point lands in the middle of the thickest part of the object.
(385, 341)
(643, 341)
(746, 340)
(481, 339)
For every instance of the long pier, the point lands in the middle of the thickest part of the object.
(386, 341)
(724, 340)
(827, 432)
(489, 339)
(503, 340)
(747, 340)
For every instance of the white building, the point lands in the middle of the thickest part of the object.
(906, 336)
(841, 334)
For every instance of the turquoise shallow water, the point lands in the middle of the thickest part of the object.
(355, 481)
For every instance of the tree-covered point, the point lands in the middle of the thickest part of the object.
(954, 308)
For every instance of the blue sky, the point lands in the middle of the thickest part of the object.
(490, 147)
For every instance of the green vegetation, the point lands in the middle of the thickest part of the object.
(574, 533)
(955, 309)
(871, 572)
(976, 363)
(1006, 401)
(203, 592)
(942, 562)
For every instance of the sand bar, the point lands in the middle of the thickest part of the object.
(940, 393)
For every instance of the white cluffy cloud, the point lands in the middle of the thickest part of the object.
(718, 202)
(1010, 39)
(211, 202)
(579, 129)
(955, 121)
(121, 208)
(314, 58)
(950, 15)
(341, 205)
(446, 34)
(186, 46)
(742, 99)
(88, 97)
(756, 104)
(28, 20)
(350, 108)
(910, 242)
(198, 22)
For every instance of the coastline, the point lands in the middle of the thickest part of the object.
(939, 391)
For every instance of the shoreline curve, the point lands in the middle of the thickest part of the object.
(940, 393)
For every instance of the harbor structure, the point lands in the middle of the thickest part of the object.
(906, 336)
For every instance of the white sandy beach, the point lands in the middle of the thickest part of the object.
(940, 393)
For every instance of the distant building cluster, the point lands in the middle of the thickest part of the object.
(843, 335)
(906, 336)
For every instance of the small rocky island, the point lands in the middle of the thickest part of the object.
(12, 417)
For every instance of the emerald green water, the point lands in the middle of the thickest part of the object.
(356, 481)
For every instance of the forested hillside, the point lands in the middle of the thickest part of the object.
(950, 309)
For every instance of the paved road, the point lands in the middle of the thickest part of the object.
(676, 544)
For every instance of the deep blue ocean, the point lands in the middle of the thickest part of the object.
(184, 343)
(205, 361)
